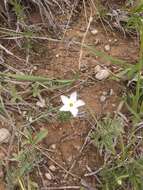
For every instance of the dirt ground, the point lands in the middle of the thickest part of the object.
(67, 144)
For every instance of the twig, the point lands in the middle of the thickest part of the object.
(93, 173)
(83, 40)
(62, 187)
(10, 53)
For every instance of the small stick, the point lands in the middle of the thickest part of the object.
(93, 173)
(10, 53)
(83, 40)
(63, 187)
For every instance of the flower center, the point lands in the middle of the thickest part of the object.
(71, 104)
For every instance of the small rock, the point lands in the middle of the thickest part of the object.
(53, 146)
(57, 55)
(35, 68)
(48, 176)
(69, 159)
(52, 168)
(107, 47)
(105, 93)
(102, 74)
(94, 31)
(102, 98)
(111, 92)
(41, 103)
(4, 135)
(97, 69)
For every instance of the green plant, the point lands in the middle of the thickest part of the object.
(107, 132)
(26, 159)
(125, 174)
(135, 99)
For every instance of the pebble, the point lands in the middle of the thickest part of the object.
(111, 92)
(52, 168)
(107, 47)
(57, 55)
(102, 98)
(97, 69)
(4, 135)
(41, 103)
(105, 93)
(53, 146)
(69, 159)
(48, 176)
(102, 74)
(35, 68)
(94, 31)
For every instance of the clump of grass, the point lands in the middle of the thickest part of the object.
(125, 174)
(107, 132)
(46, 9)
(25, 160)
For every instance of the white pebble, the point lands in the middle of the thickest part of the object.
(107, 47)
(94, 31)
(53, 146)
(48, 176)
(97, 69)
(69, 159)
(4, 135)
(35, 68)
(102, 98)
(102, 74)
(111, 92)
(104, 93)
(52, 168)
(57, 55)
(41, 103)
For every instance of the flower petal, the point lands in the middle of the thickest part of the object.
(64, 108)
(64, 99)
(74, 111)
(79, 103)
(73, 96)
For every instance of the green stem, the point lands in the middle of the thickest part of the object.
(140, 66)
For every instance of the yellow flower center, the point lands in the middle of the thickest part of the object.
(71, 104)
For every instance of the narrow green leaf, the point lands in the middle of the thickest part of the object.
(40, 136)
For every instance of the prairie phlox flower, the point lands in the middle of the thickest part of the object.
(71, 104)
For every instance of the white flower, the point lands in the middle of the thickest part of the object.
(71, 104)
